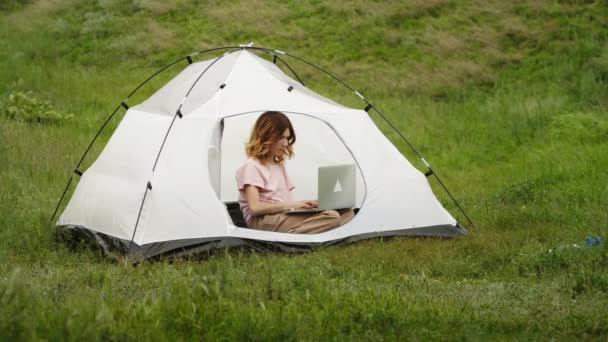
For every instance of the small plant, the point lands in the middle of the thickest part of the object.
(23, 106)
(520, 193)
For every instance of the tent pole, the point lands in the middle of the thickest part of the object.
(179, 114)
(370, 106)
(61, 198)
(82, 159)
(289, 67)
(453, 199)
(123, 104)
(148, 188)
(431, 171)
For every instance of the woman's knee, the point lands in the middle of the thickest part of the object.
(331, 213)
(333, 217)
(346, 215)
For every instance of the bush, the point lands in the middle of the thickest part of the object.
(23, 106)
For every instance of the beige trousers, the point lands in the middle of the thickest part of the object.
(302, 223)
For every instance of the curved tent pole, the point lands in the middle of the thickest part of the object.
(123, 104)
(275, 53)
(177, 114)
(289, 67)
(234, 48)
(76, 169)
(370, 106)
(431, 171)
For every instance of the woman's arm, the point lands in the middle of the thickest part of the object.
(264, 208)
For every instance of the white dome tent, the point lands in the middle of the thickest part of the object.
(164, 183)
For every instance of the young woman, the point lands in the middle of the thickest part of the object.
(265, 187)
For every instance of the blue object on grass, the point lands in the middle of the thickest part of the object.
(591, 241)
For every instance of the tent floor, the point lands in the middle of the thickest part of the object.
(234, 210)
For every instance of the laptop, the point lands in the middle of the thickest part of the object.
(336, 189)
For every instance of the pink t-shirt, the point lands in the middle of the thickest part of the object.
(272, 182)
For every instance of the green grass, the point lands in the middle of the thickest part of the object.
(507, 101)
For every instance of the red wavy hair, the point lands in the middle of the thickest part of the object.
(267, 130)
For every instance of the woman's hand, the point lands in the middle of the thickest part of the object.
(313, 203)
(309, 204)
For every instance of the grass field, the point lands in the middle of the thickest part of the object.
(507, 100)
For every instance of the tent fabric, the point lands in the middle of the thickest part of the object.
(192, 178)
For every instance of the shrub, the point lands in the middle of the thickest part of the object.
(23, 106)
